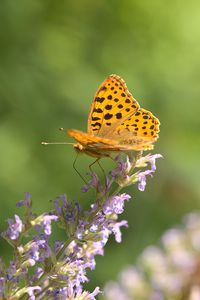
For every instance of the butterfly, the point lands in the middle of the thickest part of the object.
(116, 123)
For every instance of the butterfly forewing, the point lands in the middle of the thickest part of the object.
(112, 104)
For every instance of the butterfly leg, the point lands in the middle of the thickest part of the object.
(94, 162)
(102, 169)
(100, 166)
(104, 174)
(74, 163)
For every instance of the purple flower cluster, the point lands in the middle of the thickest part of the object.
(125, 174)
(170, 271)
(57, 269)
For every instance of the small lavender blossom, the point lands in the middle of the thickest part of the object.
(38, 250)
(38, 273)
(116, 230)
(43, 223)
(152, 160)
(2, 284)
(144, 160)
(142, 179)
(93, 183)
(122, 167)
(77, 294)
(14, 229)
(67, 212)
(26, 202)
(115, 204)
(31, 291)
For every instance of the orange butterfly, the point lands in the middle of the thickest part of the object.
(116, 123)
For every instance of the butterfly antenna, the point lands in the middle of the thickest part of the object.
(56, 143)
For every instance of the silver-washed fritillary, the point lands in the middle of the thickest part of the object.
(116, 123)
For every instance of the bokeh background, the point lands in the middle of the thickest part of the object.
(53, 56)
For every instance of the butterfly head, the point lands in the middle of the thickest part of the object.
(79, 147)
(90, 151)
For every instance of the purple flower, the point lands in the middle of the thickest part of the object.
(142, 179)
(37, 250)
(59, 271)
(142, 162)
(81, 229)
(116, 230)
(95, 248)
(94, 228)
(43, 223)
(122, 167)
(38, 273)
(14, 229)
(2, 286)
(12, 272)
(47, 223)
(93, 183)
(73, 292)
(121, 174)
(27, 202)
(66, 211)
(152, 160)
(115, 204)
(32, 290)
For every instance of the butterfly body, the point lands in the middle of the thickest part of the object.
(116, 123)
(90, 144)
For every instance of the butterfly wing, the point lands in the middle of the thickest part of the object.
(117, 116)
(112, 104)
(140, 130)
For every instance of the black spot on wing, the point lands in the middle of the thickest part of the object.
(100, 100)
(96, 124)
(97, 110)
(118, 115)
(108, 107)
(108, 116)
(95, 118)
(120, 106)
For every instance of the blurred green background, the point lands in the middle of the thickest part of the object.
(53, 56)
